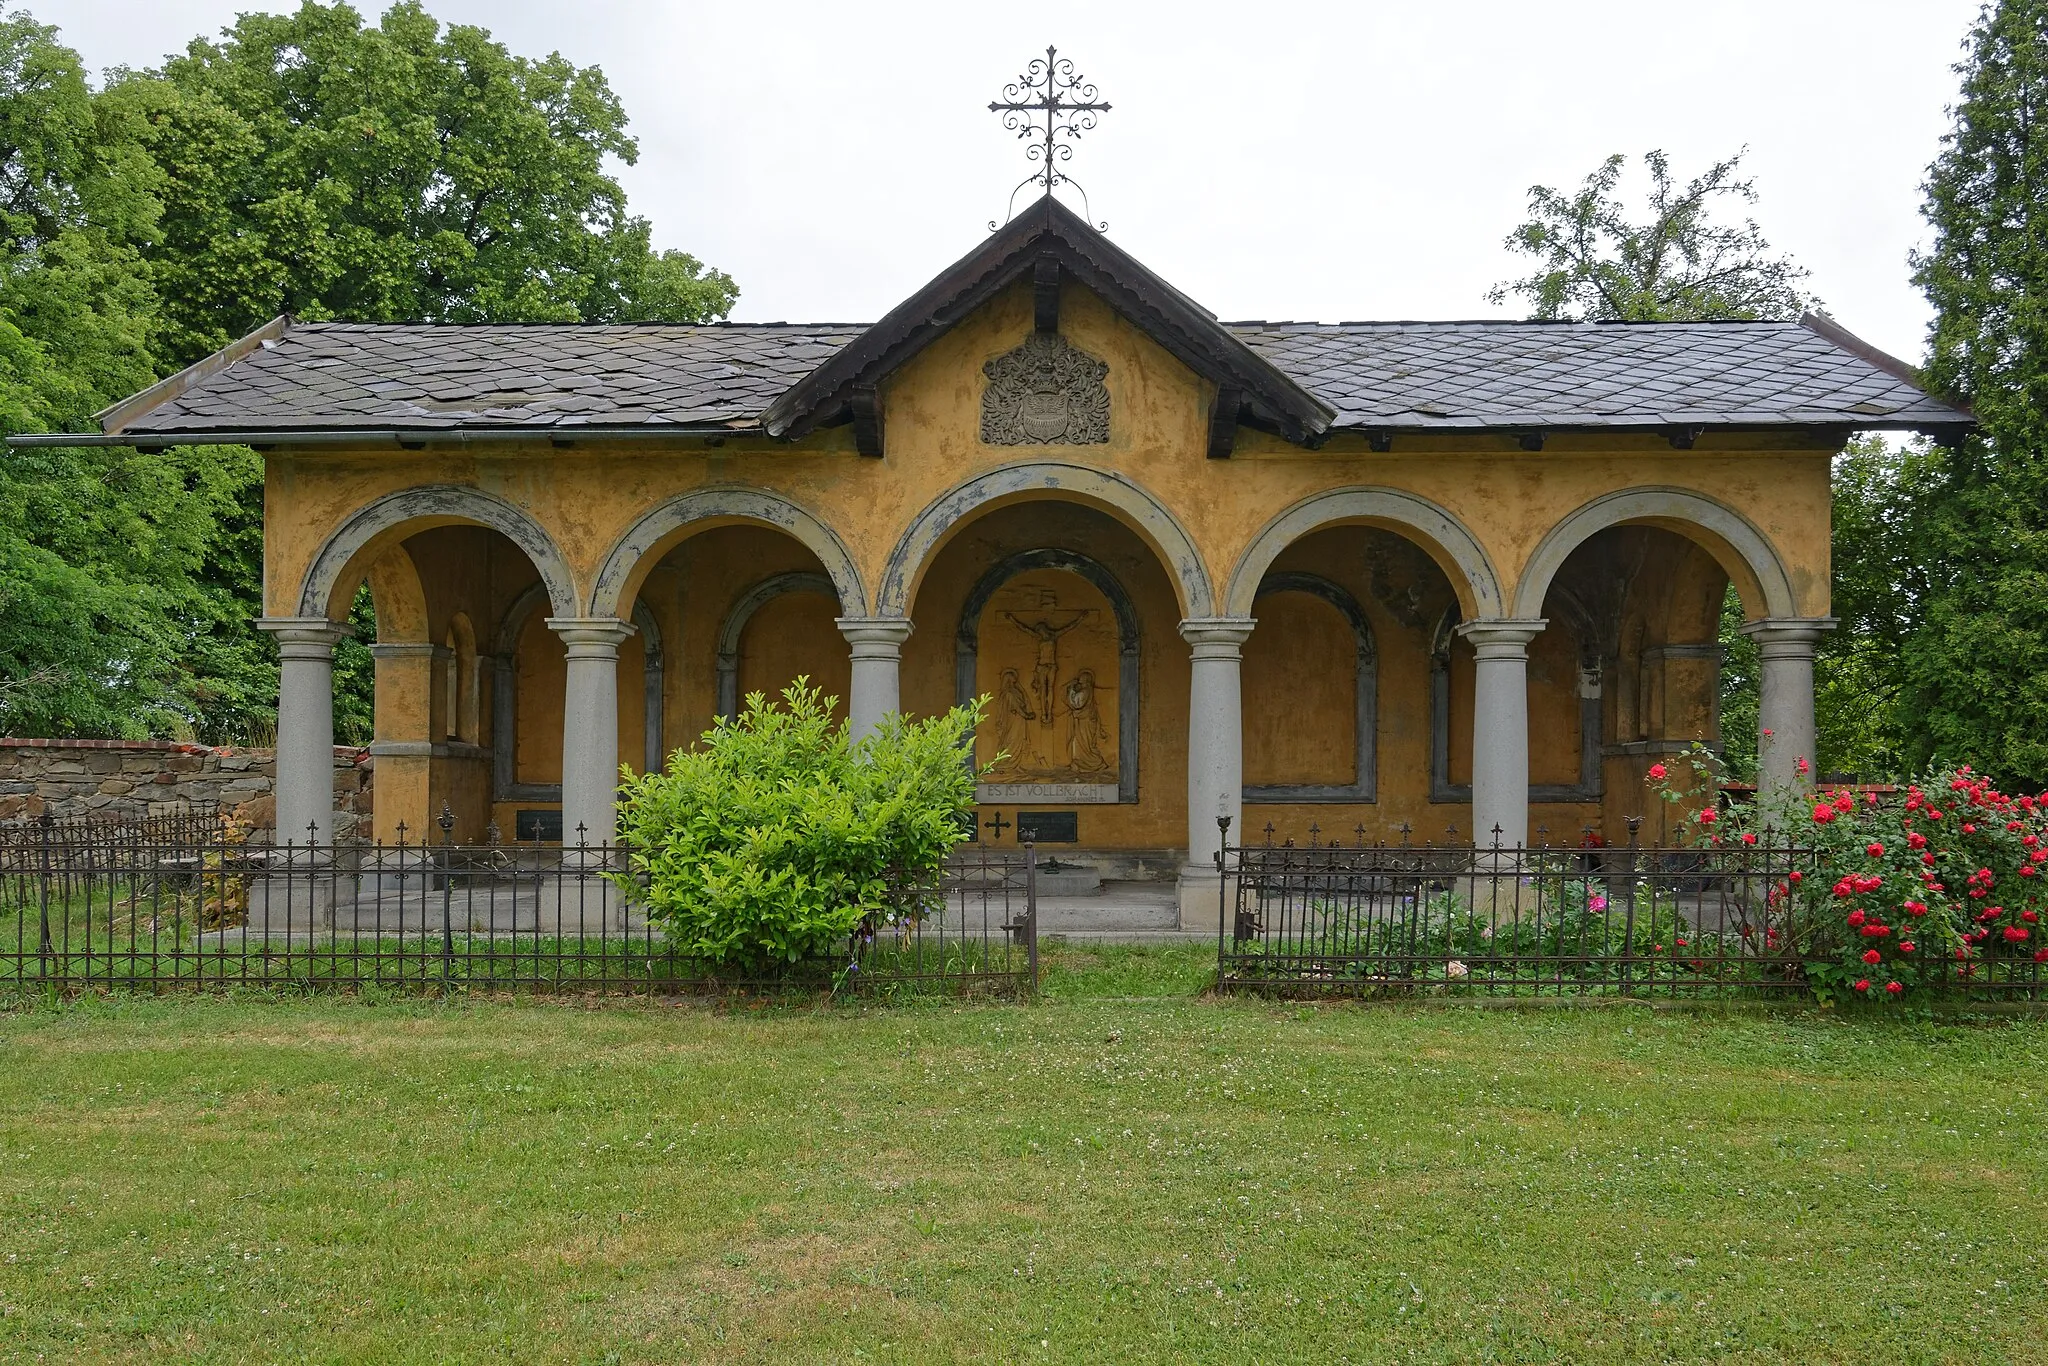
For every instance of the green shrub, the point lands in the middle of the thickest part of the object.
(775, 839)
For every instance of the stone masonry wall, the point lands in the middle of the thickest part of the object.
(134, 778)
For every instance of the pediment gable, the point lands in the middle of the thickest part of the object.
(1051, 244)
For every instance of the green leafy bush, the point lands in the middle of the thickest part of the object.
(778, 838)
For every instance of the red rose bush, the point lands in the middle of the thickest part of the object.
(1943, 882)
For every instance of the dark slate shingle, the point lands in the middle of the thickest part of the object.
(1466, 375)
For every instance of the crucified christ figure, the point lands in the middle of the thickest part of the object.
(1046, 670)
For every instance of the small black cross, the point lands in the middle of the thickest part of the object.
(998, 825)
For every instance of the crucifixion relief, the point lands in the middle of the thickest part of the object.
(1045, 674)
(1049, 664)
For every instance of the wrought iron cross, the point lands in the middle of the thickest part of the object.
(1050, 106)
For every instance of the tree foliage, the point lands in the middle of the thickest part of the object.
(1975, 661)
(304, 163)
(396, 171)
(1595, 262)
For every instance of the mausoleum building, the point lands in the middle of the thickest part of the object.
(1372, 577)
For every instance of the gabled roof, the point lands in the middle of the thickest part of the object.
(294, 382)
(1049, 231)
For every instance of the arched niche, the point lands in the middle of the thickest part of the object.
(1364, 785)
(1104, 490)
(733, 630)
(967, 650)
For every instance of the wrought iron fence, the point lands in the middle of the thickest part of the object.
(1378, 919)
(87, 912)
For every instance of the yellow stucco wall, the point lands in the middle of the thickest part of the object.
(585, 497)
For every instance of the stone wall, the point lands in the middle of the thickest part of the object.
(133, 778)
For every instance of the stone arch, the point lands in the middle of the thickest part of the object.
(342, 561)
(1365, 699)
(753, 600)
(1040, 481)
(967, 643)
(1745, 552)
(651, 537)
(1441, 536)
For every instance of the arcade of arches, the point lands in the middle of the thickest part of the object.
(1367, 577)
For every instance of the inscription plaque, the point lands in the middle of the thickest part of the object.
(1049, 827)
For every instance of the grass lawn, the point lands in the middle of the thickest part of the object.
(1121, 1172)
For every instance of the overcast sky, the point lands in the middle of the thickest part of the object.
(1279, 159)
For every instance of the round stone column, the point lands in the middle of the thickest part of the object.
(877, 662)
(304, 785)
(590, 727)
(1215, 756)
(1500, 727)
(1785, 727)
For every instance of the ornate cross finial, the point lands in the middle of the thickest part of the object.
(1050, 106)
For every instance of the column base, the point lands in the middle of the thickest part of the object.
(1200, 894)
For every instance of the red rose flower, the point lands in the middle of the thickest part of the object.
(2029, 916)
(1863, 984)
(1709, 816)
(1823, 814)
(1658, 772)
(1916, 840)
(1748, 838)
(2014, 934)
(1872, 957)
(1905, 946)
(1893, 987)
(1857, 917)
(2041, 955)
(1796, 876)
(1874, 849)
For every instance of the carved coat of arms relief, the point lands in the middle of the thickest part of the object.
(1045, 392)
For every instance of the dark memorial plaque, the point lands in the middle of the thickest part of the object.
(537, 825)
(1049, 827)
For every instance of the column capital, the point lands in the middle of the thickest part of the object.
(1789, 637)
(1217, 637)
(591, 637)
(875, 637)
(408, 649)
(1502, 637)
(317, 633)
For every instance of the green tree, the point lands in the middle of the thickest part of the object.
(1680, 264)
(303, 163)
(1975, 662)
(98, 548)
(393, 172)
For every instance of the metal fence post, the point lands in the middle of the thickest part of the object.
(447, 824)
(1031, 909)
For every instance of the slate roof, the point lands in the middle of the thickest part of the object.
(343, 375)
(1396, 376)
(1483, 374)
